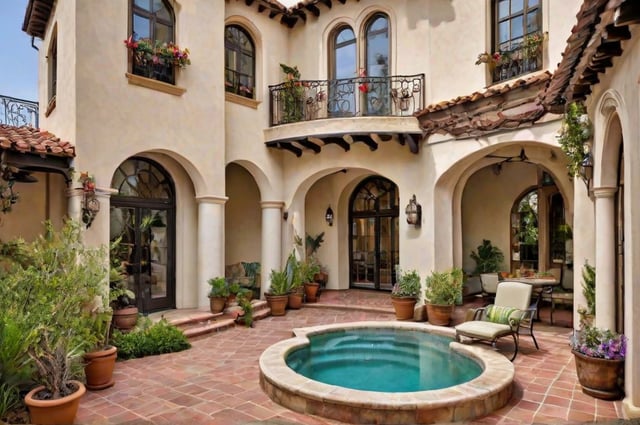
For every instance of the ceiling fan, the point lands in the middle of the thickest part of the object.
(522, 157)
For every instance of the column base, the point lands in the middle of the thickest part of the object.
(630, 411)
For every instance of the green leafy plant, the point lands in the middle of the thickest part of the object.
(219, 287)
(408, 285)
(573, 137)
(149, 339)
(149, 51)
(295, 272)
(279, 283)
(599, 343)
(247, 309)
(444, 288)
(488, 258)
(292, 94)
(589, 289)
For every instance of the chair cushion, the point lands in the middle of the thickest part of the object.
(502, 315)
(483, 329)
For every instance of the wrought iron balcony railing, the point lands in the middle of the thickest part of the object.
(307, 100)
(18, 112)
(513, 63)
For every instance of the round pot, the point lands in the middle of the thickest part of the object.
(277, 304)
(99, 367)
(600, 378)
(126, 318)
(439, 315)
(61, 411)
(311, 291)
(295, 300)
(216, 304)
(404, 307)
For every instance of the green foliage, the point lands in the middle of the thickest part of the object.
(149, 339)
(279, 283)
(575, 132)
(488, 258)
(219, 287)
(291, 95)
(120, 296)
(9, 398)
(294, 271)
(589, 287)
(444, 288)
(313, 243)
(55, 300)
(408, 285)
(247, 309)
(16, 367)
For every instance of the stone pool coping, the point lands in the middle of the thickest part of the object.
(478, 397)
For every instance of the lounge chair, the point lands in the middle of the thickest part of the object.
(503, 318)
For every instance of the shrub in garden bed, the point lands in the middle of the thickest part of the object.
(149, 339)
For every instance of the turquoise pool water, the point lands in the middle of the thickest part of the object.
(383, 360)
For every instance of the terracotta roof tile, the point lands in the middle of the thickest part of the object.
(27, 139)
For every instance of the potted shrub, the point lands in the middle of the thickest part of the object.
(599, 355)
(308, 269)
(443, 289)
(293, 271)
(218, 294)
(589, 291)
(55, 294)
(488, 258)
(122, 300)
(312, 244)
(278, 294)
(100, 360)
(404, 294)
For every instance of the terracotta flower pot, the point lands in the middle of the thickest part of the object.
(126, 318)
(600, 378)
(61, 411)
(403, 307)
(216, 304)
(295, 300)
(277, 304)
(99, 367)
(311, 291)
(439, 315)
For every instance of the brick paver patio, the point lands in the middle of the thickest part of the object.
(216, 381)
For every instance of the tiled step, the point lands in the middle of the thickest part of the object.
(195, 323)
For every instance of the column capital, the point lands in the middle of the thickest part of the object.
(207, 199)
(272, 204)
(604, 192)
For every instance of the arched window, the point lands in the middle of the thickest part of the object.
(153, 20)
(239, 62)
(342, 67)
(377, 64)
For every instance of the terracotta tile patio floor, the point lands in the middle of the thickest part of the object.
(216, 381)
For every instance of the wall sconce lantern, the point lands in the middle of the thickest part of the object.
(414, 212)
(328, 216)
(90, 203)
(586, 169)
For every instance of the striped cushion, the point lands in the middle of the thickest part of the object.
(498, 314)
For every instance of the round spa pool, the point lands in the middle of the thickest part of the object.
(312, 390)
(384, 360)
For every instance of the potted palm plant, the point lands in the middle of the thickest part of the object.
(293, 269)
(122, 300)
(443, 289)
(278, 294)
(404, 294)
(218, 294)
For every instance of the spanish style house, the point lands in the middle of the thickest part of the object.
(407, 131)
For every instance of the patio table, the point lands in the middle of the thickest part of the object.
(545, 284)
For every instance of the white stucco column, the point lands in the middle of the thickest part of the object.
(271, 241)
(74, 203)
(605, 257)
(210, 243)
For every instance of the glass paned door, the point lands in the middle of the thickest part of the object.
(144, 251)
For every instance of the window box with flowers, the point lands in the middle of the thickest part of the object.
(524, 57)
(156, 60)
(599, 355)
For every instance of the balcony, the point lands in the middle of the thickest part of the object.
(524, 59)
(18, 112)
(308, 100)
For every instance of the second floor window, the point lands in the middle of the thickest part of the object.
(153, 20)
(517, 37)
(239, 62)
(53, 68)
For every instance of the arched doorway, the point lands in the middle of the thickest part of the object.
(143, 217)
(373, 234)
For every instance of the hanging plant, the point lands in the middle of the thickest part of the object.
(573, 137)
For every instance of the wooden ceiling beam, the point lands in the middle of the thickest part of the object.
(307, 143)
(413, 141)
(338, 141)
(367, 140)
(289, 147)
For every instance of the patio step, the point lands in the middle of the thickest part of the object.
(198, 323)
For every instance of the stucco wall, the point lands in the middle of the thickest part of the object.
(243, 219)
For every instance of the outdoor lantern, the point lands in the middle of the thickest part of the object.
(414, 212)
(329, 216)
(586, 169)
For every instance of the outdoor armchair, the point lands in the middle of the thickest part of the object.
(503, 318)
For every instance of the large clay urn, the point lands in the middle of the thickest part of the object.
(98, 368)
(439, 315)
(403, 307)
(600, 378)
(60, 411)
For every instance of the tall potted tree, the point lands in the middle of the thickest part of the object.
(278, 294)
(443, 289)
(404, 294)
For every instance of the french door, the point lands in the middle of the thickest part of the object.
(374, 236)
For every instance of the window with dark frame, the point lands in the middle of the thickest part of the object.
(517, 37)
(153, 20)
(343, 67)
(239, 62)
(53, 67)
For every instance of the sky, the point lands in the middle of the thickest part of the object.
(18, 60)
